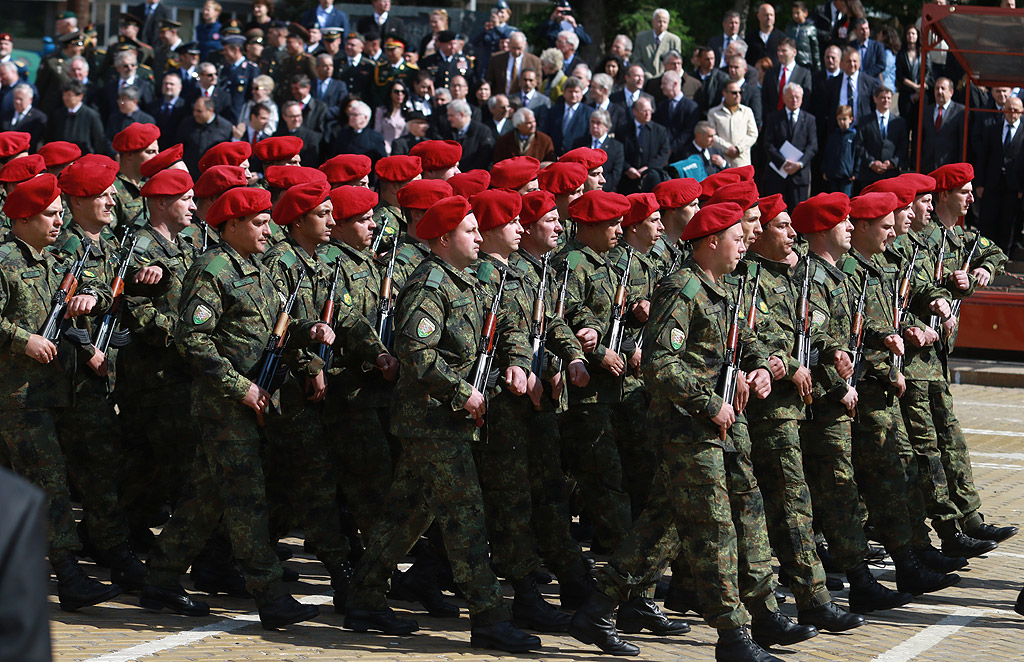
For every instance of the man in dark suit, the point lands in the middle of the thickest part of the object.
(506, 68)
(1000, 177)
(170, 109)
(785, 72)
(730, 33)
(645, 148)
(852, 81)
(476, 140)
(673, 61)
(355, 70)
(764, 40)
(326, 15)
(499, 116)
(600, 98)
(150, 14)
(942, 134)
(127, 66)
(798, 128)
(327, 88)
(356, 137)
(531, 97)
(599, 138)
(314, 112)
(24, 117)
(882, 138)
(75, 122)
(198, 134)
(712, 80)
(676, 113)
(830, 19)
(569, 118)
(703, 145)
(127, 113)
(383, 22)
(632, 91)
(872, 53)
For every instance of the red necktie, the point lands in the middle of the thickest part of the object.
(206, 93)
(938, 118)
(782, 86)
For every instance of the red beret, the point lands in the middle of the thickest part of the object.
(905, 191)
(437, 154)
(13, 142)
(514, 173)
(352, 201)
(135, 136)
(711, 219)
(771, 206)
(746, 173)
(59, 152)
(398, 168)
(676, 193)
(535, 205)
(238, 203)
(345, 168)
(88, 176)
(953, 175)
(22, 169)
(443, 217)
(167, 182)
(870, 206)
(163, 160)
(470, 183)
(641, 205)
(587, 157)
(821, 212)
(288, 176)
(31, 197)
(422, 193)
(563, 178)
(229, 153)
(713, 182)
(298, 200)
(744, 193)
(277, 148)
(496, 207)
(922, 184)
(219, 179)
(598, 206)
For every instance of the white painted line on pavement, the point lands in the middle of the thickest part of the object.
(992, 433)
(930, 636)
(972, 403)
(989, 465)
(1010, 554)
(1000, 456)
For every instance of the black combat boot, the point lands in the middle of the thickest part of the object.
(158, 598)
(384, 620)
(341, 577)
(985, 531)
(643, 614)
(830, 618)
(682, 601)
(285, 610)
(935, 560)
(960, 544)
(532, 612)
(126, 570)
(775, 629)
(1019, 607)
(736, 646)
(574, 591)
(914, 578)
(592, 624)
(420, 584)
(502, 636)
(867, 595)
(75, 589)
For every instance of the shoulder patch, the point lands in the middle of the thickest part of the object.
(5, 250)
(485, 271)
(435, 278)
(751, 268)
(71, 244)
(849, 266)
(404, 254)
(658, 250)
(818, 274)
(573, 259)
(287, 259)
(331, 253)
(216, 265)
(691, 288)
(142, 244)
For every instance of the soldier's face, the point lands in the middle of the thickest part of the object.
(97, 209)
(532, 185)
(316, 224)
(922, 211)
(751, 224)
(595, 179)
(507, 238)
(608, 234)
(776, 241)
(872, 236)
(841, 236)
(904, 217)
(649, 230)
(254, 50)
(730, 247)
(181, 210)
(961, 199)
(42, 229)
(250, 234)
(464, 242)
(357, 232)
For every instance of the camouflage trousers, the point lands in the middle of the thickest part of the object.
(226, 482)
(32, 443)
(588, 438)
(708, 498)
(919, 535)
(878, 467)
(639, 457)
(779, 467)
(436, 478)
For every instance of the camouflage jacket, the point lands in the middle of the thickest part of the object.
(197, 233)
(644, 274)
(879, 281)
(391, 223)
(128, 204)
(670, 256)
(410, 253)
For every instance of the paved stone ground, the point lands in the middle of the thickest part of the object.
(973, 621)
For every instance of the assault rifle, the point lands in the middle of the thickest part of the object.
(803, 332)
(538, 330)
(106, 335)
(268, 375)
(619, 307)
(560, 309)
(55, 325)
(385, 307)
(726, 387)
(482, 378)
(955, 308)
(326, 351)
(857, 336)
(901, 304)
(936, 322)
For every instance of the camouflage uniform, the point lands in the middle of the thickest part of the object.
(391, 222)
(288, 66)
(201, 235)
(410, 253)
(36, 396)
(128, 204)
(439, 319)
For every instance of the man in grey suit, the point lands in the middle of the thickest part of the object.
(942, 134)
(652, 44)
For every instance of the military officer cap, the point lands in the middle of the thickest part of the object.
(870, 206)
(355, 35)
(421, 193)
(90, 30)
(641, 206)
(437, 154)
(514, 173)
(230, 153)
(771, 206)
(284, 177)
(5, 36)
(443, 216)
(394, 41)
(220, 178)
(598, 207)
(135, 136)
(31, 197)
(332, 34)
(13, 142)
(126, 44)
(414, 116)
(501, 4)
(711, 219)
(744, 193)
(190, 47)
(923, 184)
(470, 183)
(905, 191)
(496, 207)
(299, 32)
(399, 168)
(59, 152)
(88, 176)
(254, 36)
(563, 4)
(821, 212)
(167, 182)
(125, 17)
(562, 178)
(352, 202)
(444, 36)
(299, 200)
(590, 158)
(71, 37)
(238, 203)
(233, 40)
(952, 175)
(281, 25)
(535, 205)
(64, 15)
(676, 193)
(162, 160)
(277, 148)
(346, 168)
(233, 29)
(719, 179)
(22, 169)
(168, 24)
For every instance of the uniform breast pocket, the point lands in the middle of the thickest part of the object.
(462, 322)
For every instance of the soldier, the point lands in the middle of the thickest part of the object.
(439, 320)
(393, 66)
(236, 77)
(229, 154)
(393, 172)
(468, 184)
(678, 200)
(353, 69)
(518, 174)
(187, 65)
(565, 181)
(210, 186)
(705, 492)
(29, 277)
(58, 154)
(254, 47)
(447, 63)
(347, 170)
(440, 158)
(591, 159)
(135, 145)
(13, 173)
(163, 53)
(128, 33)
(229, 307)
(587, 429)
(415, 198)
(294, 61)
(53, 69)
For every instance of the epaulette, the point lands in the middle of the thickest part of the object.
(817, 273)
(573, 259)
(287, 259)
(70, 245)
(435, 278)
(216, 265)
(691, 288)
(5, 250)
(658, 250)
(142, 245)
(849, 266)
(404, 254)
(331, 254)
(485, 271)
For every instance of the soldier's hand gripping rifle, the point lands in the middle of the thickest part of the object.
(726, 387)
(619, 307)
(482, 375)
(538, 330)
(803, 331)
(107, 333)
(55, 325)
(936, 322)
(955, 308)
(326, 351)
(385, 306)
(270, 373)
